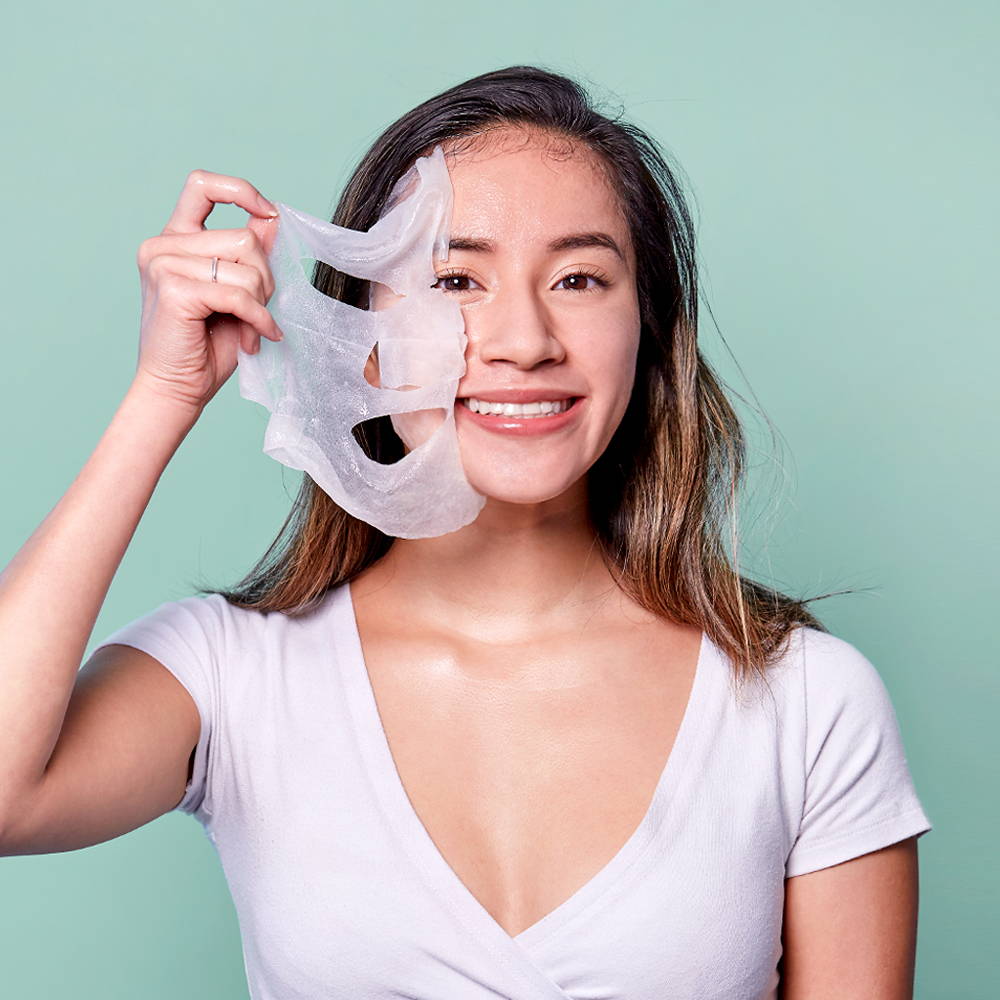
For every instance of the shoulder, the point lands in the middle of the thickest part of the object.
(848, 729)
(830, 698)
(838, 677)
(828, 670)
(198, 625)
(858, 791)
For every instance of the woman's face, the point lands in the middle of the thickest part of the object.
(542, 266)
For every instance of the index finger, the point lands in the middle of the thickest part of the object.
(203, 190)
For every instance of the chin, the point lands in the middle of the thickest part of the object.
(518, 489)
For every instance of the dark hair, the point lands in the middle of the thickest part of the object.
(662, 491)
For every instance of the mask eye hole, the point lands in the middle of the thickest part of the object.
(381, 296)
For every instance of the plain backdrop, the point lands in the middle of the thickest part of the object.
(842, 165)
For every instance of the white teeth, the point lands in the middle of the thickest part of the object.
(542, 408)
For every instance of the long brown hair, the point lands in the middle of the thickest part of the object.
(664, 490)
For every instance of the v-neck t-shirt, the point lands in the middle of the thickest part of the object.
(340, 891)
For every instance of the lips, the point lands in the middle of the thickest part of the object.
(518, 425)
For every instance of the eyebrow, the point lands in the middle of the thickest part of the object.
(572, 241)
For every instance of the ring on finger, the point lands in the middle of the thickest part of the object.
(215, 269)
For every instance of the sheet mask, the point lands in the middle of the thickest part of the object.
(312, 381)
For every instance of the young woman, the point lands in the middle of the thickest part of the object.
(565, 751)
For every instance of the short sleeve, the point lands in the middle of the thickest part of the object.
(185, 636)
(859, 793)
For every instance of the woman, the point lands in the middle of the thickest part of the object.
(564, 751)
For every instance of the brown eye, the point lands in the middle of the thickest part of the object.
(577, 282)
(452, 282)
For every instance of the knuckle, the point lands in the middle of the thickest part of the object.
(171, 286)
(196, 176)
(248, 238)
(146, 252)
(156, 267)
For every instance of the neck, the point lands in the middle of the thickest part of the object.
(515, 568)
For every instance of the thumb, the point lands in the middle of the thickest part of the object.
(265, 229)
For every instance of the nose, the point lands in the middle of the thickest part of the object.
(515, 328)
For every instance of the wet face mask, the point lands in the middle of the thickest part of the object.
(313, 383)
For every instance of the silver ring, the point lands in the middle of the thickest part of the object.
(215, 269)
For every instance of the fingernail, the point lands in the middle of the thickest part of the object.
(268, 206)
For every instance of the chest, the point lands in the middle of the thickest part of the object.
(531, 762)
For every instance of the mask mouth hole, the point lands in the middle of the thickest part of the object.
(382, 443)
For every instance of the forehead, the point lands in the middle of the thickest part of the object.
(518, 185)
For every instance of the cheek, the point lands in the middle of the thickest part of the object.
(609, 352)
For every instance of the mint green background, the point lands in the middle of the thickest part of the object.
(844, 162)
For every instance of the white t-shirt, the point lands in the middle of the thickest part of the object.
(341, 893)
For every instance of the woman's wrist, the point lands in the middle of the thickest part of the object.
(146, 394)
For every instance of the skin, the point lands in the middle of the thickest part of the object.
(850, 930)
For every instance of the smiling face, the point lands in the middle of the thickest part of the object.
(542, 266)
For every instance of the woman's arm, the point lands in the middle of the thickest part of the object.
(50, 596)
(195, 316)
(850, 930)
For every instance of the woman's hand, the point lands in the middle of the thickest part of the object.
(191, 326)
